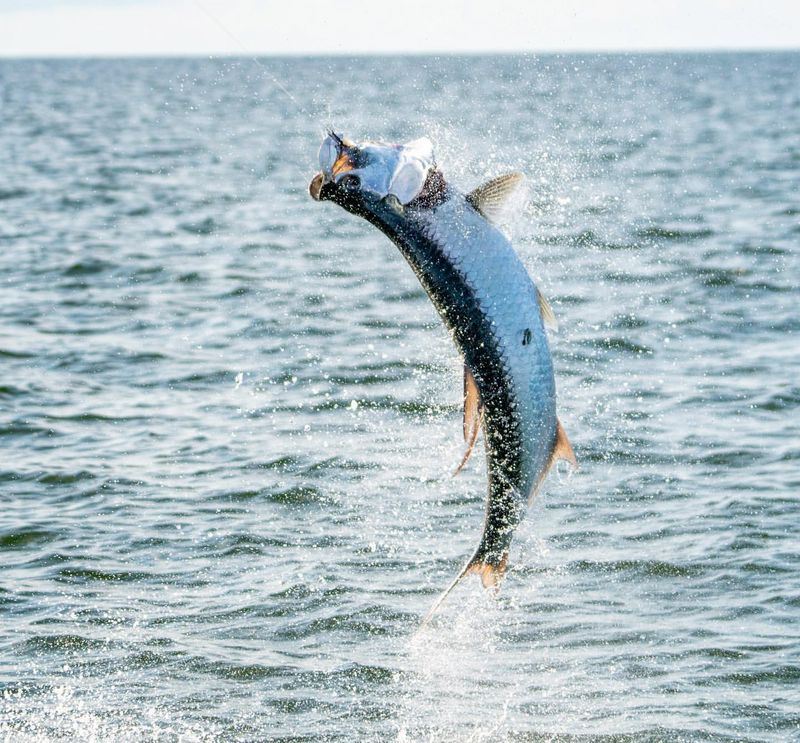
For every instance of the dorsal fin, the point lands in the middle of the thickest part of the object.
(473, 416)
(563, 449)
(548, 316)
(490, 198)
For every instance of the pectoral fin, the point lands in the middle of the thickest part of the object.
(473, 416)
(492, 197)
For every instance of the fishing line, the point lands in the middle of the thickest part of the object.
(278, 84)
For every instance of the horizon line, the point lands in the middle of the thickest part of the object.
(634, 51)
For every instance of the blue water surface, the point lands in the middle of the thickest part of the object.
(228, 414)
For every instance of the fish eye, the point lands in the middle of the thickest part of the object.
(350, 183)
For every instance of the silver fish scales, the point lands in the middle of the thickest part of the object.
(488, 302)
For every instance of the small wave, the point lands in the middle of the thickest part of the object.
(627, 277)
(238, 672)
(407, 296)
(617, 343)
(724, 653)
(370, 376)
(158, 153)
(139, 211)
(628, 321)
(207, 226)
(82, 575)
(24, 538)
(66, 642)
(733, 458)
(23, 428)
(285, 463)
(192, 277)
(338, 464)
(767, 286)
(380, 323)
(353, 377)
(766, 568)
(411, 408)
(787, 674)
(7, 390)
(66, 478)
(88, 268)
(587, 239)
(317, 332)
(580, 538)
(635, 454)
(369, 674)
(12, 193)
(299, 495)
(244, 544)
(7, 353)
(750, 249)
(94, 418)
(718, 277)
(780, 401)
(194, 381)
(673, 234)
(354, 623)
(652, 568)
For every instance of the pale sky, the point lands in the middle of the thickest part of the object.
(218, 27)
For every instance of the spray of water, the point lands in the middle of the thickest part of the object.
(235, 39)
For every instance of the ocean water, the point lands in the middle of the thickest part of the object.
(228, 414)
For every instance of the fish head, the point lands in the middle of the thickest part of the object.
(359, 177)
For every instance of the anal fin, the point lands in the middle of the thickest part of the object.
(563, 449)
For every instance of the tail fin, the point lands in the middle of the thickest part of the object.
(491, 574)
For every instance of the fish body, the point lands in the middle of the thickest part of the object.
(491, 308)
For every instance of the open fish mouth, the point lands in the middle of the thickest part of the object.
(372, 168)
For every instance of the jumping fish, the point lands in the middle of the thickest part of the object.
(487, 301)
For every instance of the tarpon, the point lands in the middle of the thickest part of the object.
(488, 302)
